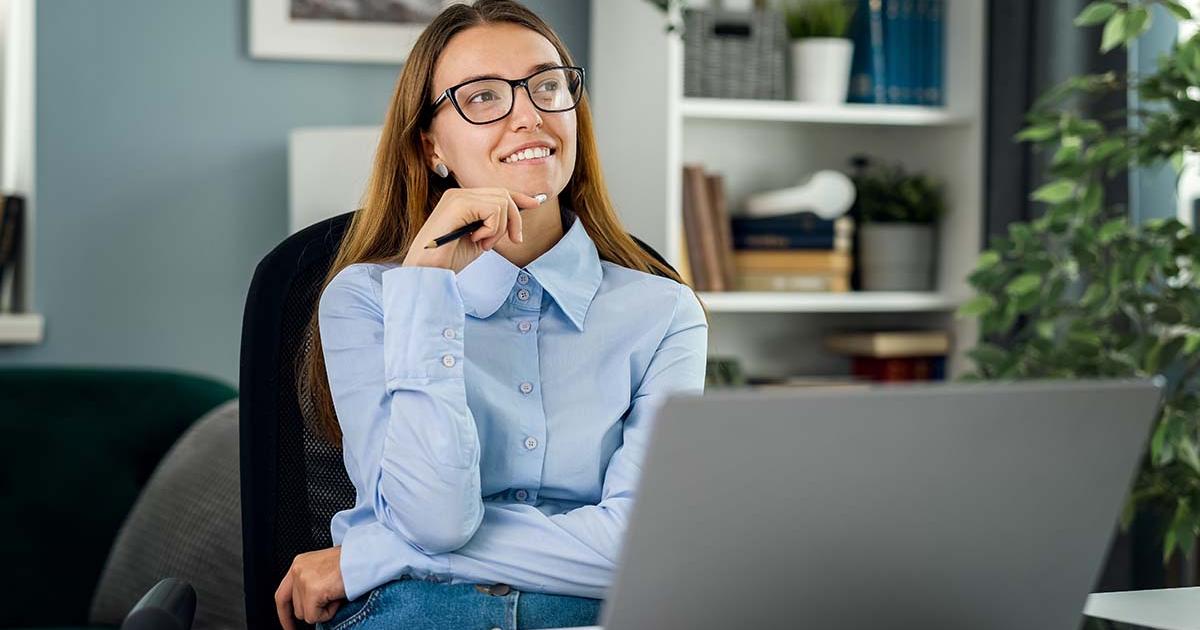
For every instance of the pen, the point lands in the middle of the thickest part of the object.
(470, 227)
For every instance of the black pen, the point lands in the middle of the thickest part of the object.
(471, 227)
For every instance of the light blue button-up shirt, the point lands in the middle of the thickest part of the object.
(494, 420)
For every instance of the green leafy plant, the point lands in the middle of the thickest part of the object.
(888, 194)
(818, 18)
(1082, 291)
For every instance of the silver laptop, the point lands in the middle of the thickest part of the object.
(983, 505)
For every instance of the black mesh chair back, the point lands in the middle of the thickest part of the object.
(292, 481)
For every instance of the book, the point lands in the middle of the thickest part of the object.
(782, 382)
(724, 229)
(793, 281)
(802, 222)
(897, 369)
(791, 242)
(697, 222)
(889, 344)
(797, 230)
(818, 261)
(937, 12)
(867, 82)
(892, 49)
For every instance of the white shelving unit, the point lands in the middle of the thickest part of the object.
(647, 130)
(17, 157)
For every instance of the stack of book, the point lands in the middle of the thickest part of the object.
(898, 48)
(890, 356)
(12, 213)
(790, 251)
(796, 251)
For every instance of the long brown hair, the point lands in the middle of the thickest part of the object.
(400, 195)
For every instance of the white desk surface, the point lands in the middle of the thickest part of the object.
(1165, 609)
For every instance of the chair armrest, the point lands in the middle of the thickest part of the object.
(170, 605)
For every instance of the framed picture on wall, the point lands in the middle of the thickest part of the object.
(368, 31)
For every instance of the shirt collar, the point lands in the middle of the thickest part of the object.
(569, 271)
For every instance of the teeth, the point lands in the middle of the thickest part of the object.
(535, 152)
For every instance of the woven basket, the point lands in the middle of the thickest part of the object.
(735, 54)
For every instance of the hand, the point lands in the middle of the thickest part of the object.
(498, 207)
(313, 589)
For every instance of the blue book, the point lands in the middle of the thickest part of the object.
(908, 51)
(893, 45)
(803, 223)
(923, 50)
(862, 89)
(878, 51)
(937, 16)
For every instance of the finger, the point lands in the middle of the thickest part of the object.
(501, 221)
(283, 602)
(527, 201)
(516, 226)
(493, 226)
(328, 610)
(299, 599)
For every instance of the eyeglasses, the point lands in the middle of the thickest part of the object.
(484, 101)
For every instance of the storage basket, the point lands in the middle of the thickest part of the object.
(735, 54)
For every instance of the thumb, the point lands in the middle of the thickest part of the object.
(526, 201)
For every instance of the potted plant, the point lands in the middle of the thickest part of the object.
(897, 214)
(1082, 291)
(821, 52)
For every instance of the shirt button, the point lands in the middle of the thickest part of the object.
(522, 495)
(531, 442)
(448, 333)
(448, 360)
(524, 326)
(523, 294)
(526, 387)
(523, 278)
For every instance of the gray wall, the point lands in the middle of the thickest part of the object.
(162, 172)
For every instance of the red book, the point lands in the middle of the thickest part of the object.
(894, 369)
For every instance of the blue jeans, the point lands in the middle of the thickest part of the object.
(423, 605)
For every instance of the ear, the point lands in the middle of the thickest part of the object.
(430, 151)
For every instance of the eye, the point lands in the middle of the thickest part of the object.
(483, 97)
(552, 83)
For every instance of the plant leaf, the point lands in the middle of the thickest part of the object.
(1023, 284)
(1055, 192)
(977, 306)
(1179, 10)
(1114, 32)
(1095, 13)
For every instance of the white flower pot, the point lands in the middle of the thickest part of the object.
(896, 256)
(821, 69)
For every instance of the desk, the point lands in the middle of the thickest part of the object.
(1164, 609)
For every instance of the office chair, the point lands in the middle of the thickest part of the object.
(293, 482)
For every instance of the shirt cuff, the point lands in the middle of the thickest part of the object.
(373, 555)
(423, 320)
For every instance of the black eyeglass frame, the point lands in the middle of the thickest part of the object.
(513, 84)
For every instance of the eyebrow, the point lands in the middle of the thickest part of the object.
(533, 70)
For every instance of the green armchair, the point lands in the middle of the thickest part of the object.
(78, 446)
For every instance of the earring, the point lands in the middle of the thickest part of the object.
(441, 170)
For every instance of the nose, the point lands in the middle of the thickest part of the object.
(524, 115)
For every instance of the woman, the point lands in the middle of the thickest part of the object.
(493, 395)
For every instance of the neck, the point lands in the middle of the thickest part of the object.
(542, 227)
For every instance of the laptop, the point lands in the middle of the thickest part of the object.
(963, 505)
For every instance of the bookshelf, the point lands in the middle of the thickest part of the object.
(17, 48)
(647, 130)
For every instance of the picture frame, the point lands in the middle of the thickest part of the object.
(328, 30)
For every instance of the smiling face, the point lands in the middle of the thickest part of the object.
(478, 155)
